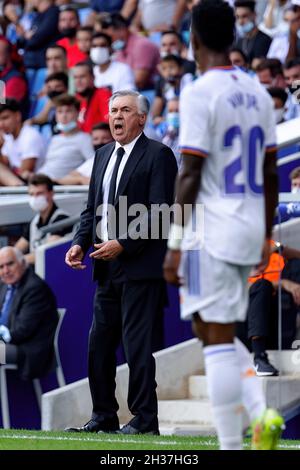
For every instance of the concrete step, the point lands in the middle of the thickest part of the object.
(281, 391)
(197, 387)
(187, 412)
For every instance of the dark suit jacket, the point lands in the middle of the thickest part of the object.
(32, 323)
(148, 178)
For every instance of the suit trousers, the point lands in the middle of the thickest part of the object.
(125, 311)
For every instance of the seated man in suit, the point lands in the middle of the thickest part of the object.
(28, 316)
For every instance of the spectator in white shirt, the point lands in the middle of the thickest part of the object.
(109, 73)
(101, 136)
(71, 147)
(22, 148)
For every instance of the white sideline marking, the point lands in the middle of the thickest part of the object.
(207, 443)
(111, 440)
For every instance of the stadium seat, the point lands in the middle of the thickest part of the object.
(36, 382)
(84, 13)
(155, 37)
(149, 94)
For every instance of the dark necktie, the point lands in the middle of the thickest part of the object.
(113, 181)
(6, 305)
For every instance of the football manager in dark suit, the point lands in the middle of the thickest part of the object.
(28, 316)
(128, 268)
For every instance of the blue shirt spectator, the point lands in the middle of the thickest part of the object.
(44, 32)
(110, 6)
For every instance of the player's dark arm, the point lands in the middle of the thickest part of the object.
(270, 189)
(187, 187)
(188, 184)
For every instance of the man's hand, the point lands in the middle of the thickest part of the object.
(74, 257)
(107, 250)
(171, 265)
(259, 269)
(293, 288)
(5, 334)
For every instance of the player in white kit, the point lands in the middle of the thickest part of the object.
(228, 145)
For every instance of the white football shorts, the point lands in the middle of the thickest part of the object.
(215, 289)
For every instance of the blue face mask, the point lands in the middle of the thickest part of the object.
(173, 120)
(118, 45)
(244, 28)
(70, 126)
(19, 11)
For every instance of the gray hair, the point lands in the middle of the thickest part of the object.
(18, 254)
(142, 102)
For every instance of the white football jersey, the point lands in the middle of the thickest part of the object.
(228, 118)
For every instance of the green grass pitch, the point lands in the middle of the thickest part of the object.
(38, 440)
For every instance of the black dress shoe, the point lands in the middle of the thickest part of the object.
(95, 426)
(128, 429)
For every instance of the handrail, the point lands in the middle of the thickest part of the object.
(58, 189)
(70, 221)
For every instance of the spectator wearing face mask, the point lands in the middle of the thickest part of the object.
(109, 73)
(68, 24)
(168, 86)
(41, 200)
(292, 209)
(101, 136)
(279, 97)
(270, 73)
(292, 78)
(56, 84)
(252, 41)
(168, 130)
(71, 147)
(134, 50)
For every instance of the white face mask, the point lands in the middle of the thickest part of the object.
(38, 203)
(70, 126)
(279, 113)
(295, 190)
(100, 55)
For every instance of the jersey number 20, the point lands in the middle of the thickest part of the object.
(244, 166)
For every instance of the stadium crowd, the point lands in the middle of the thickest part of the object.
(61, 62)
(51, 48)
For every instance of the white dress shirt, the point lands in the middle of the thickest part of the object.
(107, 178)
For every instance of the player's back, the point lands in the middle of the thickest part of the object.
(231, 123)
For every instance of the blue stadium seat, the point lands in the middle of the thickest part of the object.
(155, 37)
(39, 81)
(37, 105)
(30, 75)
(150, 94)
(83, 14)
